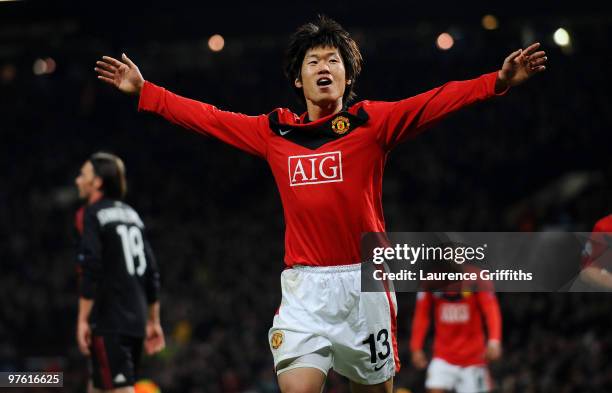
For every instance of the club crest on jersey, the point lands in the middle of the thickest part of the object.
(315, 168)
(341, 125)
(277, 340)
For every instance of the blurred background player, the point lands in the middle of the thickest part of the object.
(597, 257)
(459, 351)
(118, 279)
(328, 166)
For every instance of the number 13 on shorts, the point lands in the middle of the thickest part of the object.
(376, 341)
(379, 312)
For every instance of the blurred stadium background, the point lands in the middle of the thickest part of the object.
(537, 159)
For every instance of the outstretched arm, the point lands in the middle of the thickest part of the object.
(248, 133)
(408, 117)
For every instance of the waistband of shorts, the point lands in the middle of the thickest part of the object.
(328, 269)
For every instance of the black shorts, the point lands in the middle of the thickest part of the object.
(114, 360)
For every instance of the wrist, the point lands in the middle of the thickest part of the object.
(153, 318)
(139, 86)
(494, 343)
(153, 313)
(501, 83)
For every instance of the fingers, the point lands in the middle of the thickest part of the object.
(537, 62)
(148, 347)
(493, 351)
(513, 55)
(84, 345)
(154, 345)
(106, 66)
(494, 355)
(106, 70)
(537, 55)
(537, 65)
(112, 61)
(162, 342)
(533, 59)
(107, 80)
(419, 360)
(531, 48)
(129, 62)
(154, 341)
(536, 59)
(104, 73)
(84, 350)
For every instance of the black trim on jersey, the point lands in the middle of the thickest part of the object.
(316, 136)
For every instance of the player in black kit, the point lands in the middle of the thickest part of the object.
(118, 279)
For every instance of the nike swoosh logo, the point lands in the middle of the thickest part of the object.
(283, 133)
(381, 366)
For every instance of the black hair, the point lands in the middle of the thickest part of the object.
(111, 170)
(324, 31)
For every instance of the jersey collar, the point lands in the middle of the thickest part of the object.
(299, 130)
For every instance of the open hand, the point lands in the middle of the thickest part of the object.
(125, 75)
(521, 65)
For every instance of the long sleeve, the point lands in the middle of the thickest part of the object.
(248, 133)
(89, 256)
(408, 117)
(151, 275)
(492, 314)
(420, 321)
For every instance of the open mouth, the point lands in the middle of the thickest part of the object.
(324, 82)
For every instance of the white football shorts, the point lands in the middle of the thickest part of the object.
(325, 321)
(446, 376)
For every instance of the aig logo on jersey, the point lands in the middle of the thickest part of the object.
(315, 168)
(454, 313)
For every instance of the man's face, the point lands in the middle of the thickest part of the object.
(87, 182)
(323, 77)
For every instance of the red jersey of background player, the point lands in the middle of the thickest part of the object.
(329, 171)
(598, 250)
(459, 336)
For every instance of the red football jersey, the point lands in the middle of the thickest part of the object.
(329, 171)
(459, 336)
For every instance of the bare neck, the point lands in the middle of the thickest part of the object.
(94, 197)
(317, 111)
